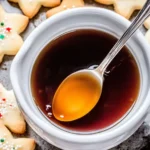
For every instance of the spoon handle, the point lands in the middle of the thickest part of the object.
(138, 21)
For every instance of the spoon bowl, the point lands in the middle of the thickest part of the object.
(77, 95)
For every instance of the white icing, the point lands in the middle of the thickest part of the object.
(6, 145)
(3, 31)
(6, 105)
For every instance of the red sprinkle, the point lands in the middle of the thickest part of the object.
(1, 115)
(8, 29)
(3, 99)
(11, 105)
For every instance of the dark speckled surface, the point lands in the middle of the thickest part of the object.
(139, 141)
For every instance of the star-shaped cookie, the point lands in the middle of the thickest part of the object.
(66, 4)
(7, 142)
(31, 7)
(124, 7)
(10, 114)
(147, 25)
(11, 25)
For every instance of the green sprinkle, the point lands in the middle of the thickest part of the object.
(2, 36)
(2, 140)
(13, 148)
(2, 23)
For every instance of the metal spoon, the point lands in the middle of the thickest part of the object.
(78, 94)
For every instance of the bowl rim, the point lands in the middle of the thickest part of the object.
(96, 137)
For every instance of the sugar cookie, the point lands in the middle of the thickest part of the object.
(7, 142)
(147, 25)
(66, 4)
(124, 7)
(10, 26)
(10, 114)
(31, 7)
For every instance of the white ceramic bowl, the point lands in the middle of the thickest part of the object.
(95, 18)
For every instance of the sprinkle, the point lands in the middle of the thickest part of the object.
(0, 115)
(2, 140)
(2, 23)
(6, 145)
(8, 29)
(6, 106)
(3, 99)
(2, 36)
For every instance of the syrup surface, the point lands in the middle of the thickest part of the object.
(79, 50)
